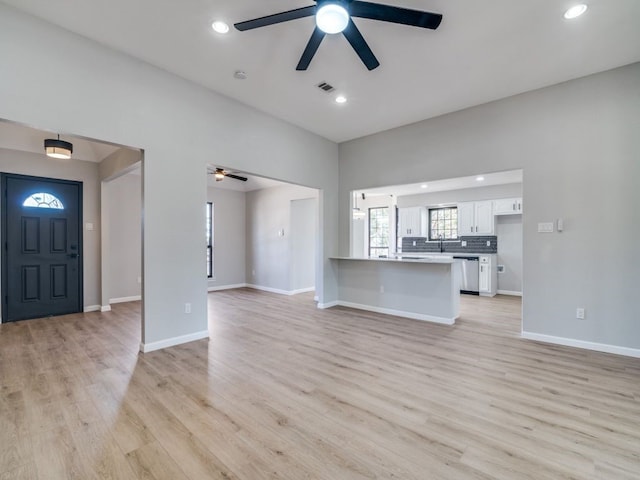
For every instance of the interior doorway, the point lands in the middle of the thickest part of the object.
(264, 234)
(93, 162)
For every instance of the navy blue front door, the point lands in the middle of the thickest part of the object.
(42, 255)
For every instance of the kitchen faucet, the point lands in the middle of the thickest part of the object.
(440, 239)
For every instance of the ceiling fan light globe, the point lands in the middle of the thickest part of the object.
(332, 18)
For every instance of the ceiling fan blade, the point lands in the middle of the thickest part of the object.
(276, 18)
(236, 177)
(311, 49)
(360, 45)
(388, 13)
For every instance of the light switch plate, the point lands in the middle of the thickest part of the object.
(89, 226)
(545, 227)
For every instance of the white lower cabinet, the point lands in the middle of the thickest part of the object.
(488, 276)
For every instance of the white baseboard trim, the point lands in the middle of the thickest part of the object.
(279, 291)
(91, 308)
(322, 306)
(216, 288)
(570, 342)
(268, 289)
(398, 313)
(302, 290)
(171, 342)
(133, 298)
(105, 308)
(509, 292)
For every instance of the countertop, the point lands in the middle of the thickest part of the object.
(437, 258)
(437, 254)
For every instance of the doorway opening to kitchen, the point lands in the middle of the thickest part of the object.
(476, 220)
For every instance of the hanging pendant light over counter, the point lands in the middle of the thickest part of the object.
(56, 148)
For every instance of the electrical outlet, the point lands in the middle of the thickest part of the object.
(414, 243)
(464, 243)
(187, 308)
(580, 313)
(488, 243)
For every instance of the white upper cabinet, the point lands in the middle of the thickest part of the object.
(507, 206)
(466, 218)
(475, 218)
(484, 218)
(412, 222)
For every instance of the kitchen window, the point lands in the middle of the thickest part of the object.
(209, 240)
(378, 231)
(443, 223)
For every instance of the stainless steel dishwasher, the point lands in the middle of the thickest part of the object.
(469, 273)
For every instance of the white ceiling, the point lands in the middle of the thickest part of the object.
(486, 180)
(25, 139)
(483, 51)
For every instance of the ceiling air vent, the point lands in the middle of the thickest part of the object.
(326, 87)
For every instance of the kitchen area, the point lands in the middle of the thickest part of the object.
(473, 222)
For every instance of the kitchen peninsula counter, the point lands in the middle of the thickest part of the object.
(425, 288)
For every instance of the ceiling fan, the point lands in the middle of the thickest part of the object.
(335, 16)
(220, 173)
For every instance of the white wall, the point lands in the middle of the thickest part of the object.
(578, 145)
(304, 231)
(123, 223)
(229, 233)
(268, 253)
(39, 165)
(96, 92)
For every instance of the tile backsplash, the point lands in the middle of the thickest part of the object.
(474, 245)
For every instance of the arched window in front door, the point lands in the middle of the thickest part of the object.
(43, 200)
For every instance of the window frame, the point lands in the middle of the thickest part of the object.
(431, 235)
(369, 236)
(209, 238)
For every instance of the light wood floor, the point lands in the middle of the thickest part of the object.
(285, 391)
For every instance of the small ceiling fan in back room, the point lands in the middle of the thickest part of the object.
(335, 16)
(220, 173)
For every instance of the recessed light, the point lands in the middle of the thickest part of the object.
(341, 99)
(424, 185)
(240, 75)
(220, 27)
(480, 179)
(575, 11)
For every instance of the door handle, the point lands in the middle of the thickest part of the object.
(73, 255)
